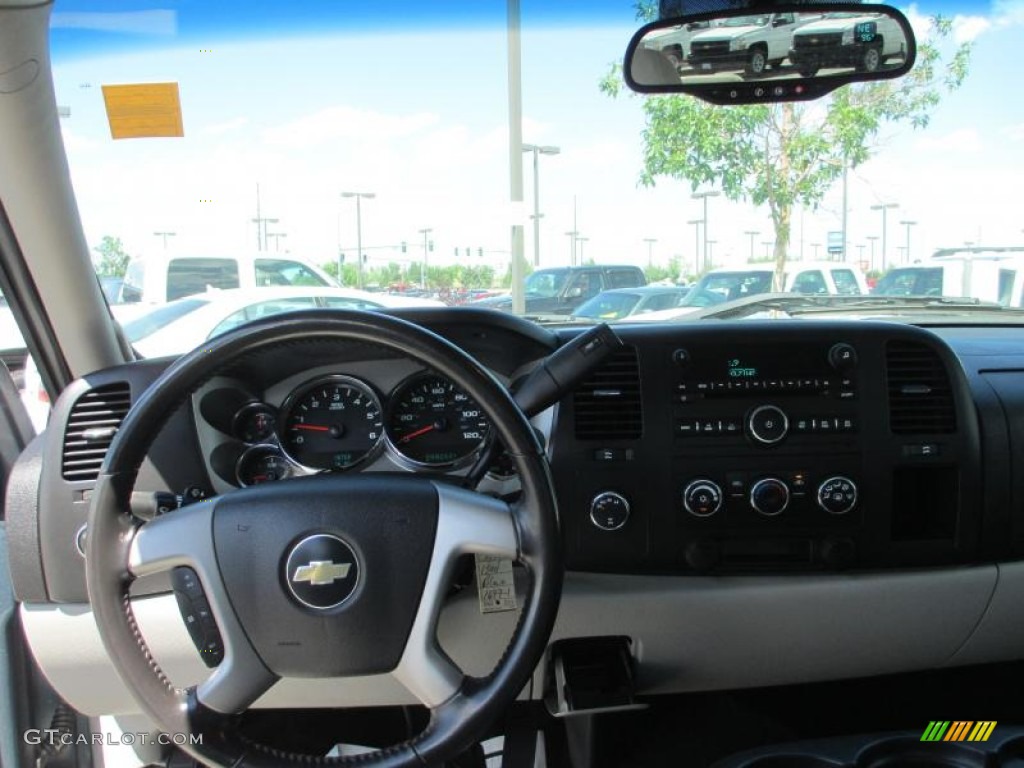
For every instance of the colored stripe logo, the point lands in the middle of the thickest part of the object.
(958, 730)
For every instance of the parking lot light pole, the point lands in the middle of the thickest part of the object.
(164, 235)
(572, 247)
(696, 244)
(537, 151)
(423, 273)
(752, 233)
(359, 232)
(906, 248)
(650, 250)
(884, 208)
(704, 196)
(872, 239)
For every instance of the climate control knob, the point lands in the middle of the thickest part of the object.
(770, 496)
(609, 511)
(837, 495)
(767, 424)
(702, 498)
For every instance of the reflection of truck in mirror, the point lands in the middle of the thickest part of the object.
(863, 41)
(752, 43)
(675, 42)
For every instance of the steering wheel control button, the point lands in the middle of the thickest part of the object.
(609, 511)
(837, 495)
(322, 571)
(842, 357)
(769, 497)
(196, 613)
(702, 498)
(767, 424)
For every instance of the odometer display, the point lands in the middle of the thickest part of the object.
(433, 423)
(332, 423)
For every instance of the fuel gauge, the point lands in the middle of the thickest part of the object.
(262, 464)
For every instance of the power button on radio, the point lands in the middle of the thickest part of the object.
(767, 424)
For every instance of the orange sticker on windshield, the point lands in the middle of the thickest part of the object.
(144, 110)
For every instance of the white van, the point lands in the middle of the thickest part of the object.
(162, 277)
(988, 275)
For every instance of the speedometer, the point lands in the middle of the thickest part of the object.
(433, 423)
(332, 423)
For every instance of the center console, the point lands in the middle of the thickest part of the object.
(774, 447)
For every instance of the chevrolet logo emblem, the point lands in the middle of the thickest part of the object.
(320, 572)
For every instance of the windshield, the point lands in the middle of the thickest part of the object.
(153, 321)
(369, 145)
(608, 306)
(548, 283)
(747, 21)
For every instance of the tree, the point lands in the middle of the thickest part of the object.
(781, 155)
(113, 260)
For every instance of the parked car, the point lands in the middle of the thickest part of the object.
(987, 275)
(751, 43)
(160, 277)
(864, 41)
(619, 303)
(559, 290)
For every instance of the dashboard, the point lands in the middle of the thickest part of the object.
(729, 493)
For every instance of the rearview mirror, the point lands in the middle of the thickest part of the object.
(793, 53)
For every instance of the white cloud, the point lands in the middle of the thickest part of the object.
(964, 140)
(1009, 12)
(968, 28)
(228, 126)
(1014, 132)
(349, 124)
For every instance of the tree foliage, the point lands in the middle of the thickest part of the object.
(394, 274)
(113, 261)
(782, 155)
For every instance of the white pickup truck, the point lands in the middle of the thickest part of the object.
(675, 42)
(863, 41)
(751, 43)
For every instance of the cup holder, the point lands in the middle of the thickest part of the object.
(912, 753)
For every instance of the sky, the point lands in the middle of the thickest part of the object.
(413, 107)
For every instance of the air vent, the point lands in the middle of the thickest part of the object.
(920, 396)
(92, 424)
(608, 404)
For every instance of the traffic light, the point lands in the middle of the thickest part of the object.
(480, 252)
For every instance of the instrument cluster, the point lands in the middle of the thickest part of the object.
(336, 422)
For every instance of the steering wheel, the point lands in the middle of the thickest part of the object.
(327, 576)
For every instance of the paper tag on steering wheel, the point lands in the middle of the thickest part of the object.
(495, 584)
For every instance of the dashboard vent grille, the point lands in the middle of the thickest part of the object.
(608, 405)
(92, 424)
(920, 396)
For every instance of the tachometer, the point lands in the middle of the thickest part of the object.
(332, 423)
(433, 423)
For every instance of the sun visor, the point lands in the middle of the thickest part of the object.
(143, 110)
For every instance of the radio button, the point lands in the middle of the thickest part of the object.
(767, 424)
